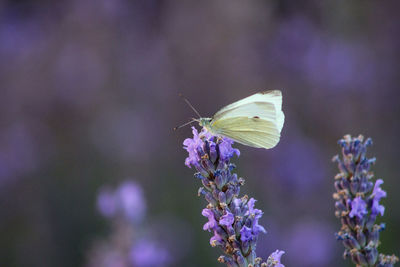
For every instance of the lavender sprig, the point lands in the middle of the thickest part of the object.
(232, 220)
(357, 204)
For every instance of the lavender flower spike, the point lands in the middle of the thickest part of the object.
(357, 204)
(232, 220)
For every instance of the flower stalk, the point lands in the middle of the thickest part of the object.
(232, 219)
(357, 204)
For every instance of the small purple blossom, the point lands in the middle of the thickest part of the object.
(246, 234)
(358, 208)
(227, 219)
(212, 223)
(256, 214)
(216, 239)
(377, 194)
(275, 259)
(258, 228)
(252, 211)
(191, 145)
(225, 149)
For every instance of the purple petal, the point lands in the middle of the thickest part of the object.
(358, 208)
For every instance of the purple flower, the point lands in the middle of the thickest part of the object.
(212, 223)
(216, 239)
(246, 234)
(274, 259)
(127, 201)
(252, 210)
(148, 253)
(132, 200)
(358, 208)
(256, 215)
(377, 194)
(258, 228)
(233, 220)
(106, 203)
(227, 219)
(359, 233)
(192, 145)
(225, 149)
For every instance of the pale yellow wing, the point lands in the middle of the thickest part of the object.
(272, 96)
(264, 105)
(254, 132)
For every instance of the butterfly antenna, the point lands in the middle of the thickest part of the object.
(183, 125)
(190, 105)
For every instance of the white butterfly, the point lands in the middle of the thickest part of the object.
(254, 121)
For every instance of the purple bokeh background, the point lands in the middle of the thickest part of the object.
(89, 92)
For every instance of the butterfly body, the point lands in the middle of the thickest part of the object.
(254, 121)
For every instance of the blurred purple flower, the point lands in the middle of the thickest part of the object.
(125, 207)
(132, 200)
(149, 253)
(107, 203)
(127, 200)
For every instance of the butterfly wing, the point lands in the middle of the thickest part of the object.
(255, 121)
(254, 132)
(264, 105)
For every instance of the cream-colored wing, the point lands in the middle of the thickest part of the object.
(272, 96)
(264, 105)
(254, 132)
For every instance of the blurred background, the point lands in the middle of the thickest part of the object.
(89, 97)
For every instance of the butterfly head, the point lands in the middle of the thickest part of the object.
(205, 122)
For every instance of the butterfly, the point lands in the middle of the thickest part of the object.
(254, 121)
